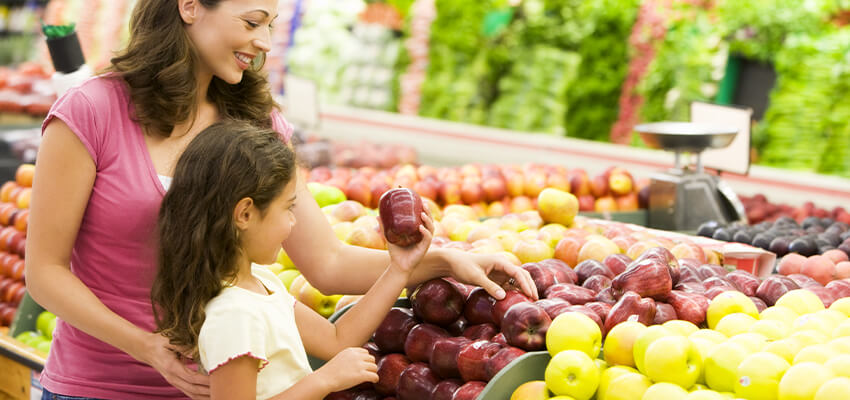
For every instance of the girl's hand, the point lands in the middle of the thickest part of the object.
(162, 356)
(406, 258)
(493, 272)
(349, 368)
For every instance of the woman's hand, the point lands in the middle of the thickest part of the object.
(407, 258)
(162, 356)
(493, 272)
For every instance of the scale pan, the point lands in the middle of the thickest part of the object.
(686, 136)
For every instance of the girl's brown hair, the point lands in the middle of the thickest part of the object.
(158, 65)
(198, 240)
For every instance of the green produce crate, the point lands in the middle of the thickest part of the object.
(525, 368)
(639, 217)
(25, 318)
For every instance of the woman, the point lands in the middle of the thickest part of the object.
(109, 147)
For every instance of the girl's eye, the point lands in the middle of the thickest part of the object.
(291, 207)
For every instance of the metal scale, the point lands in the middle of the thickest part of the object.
(685, 196)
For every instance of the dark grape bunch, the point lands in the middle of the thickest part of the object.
(813, 236)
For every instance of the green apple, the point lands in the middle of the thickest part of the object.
(735, 323)
(801, 301)
(781, 314)
(561, 398)
(685, 328)
(818, 353)
(325, 195)
(619, 343)
(721, 366)
(673, 359)
(533, 390)
(802, 381)
(313, 298)
(609, 375)
(44, 345)
(754, 342)
(771, 329)
(284, 260)
(628, 387)
(287, 276)
(727, 303)
(835, 388)
(709, 334)
(705, 346)
(42, 323)
(665, 391)
(759, 375)
(839, 364)
(643, 341)
(842, 305)
(574, 331)
(786, 348)
(572, 373)
(705, 395)
(28, 338)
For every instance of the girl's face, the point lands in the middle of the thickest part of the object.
(229, 36)
(261, 240)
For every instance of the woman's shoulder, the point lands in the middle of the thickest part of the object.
(102, 89)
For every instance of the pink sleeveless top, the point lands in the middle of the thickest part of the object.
(114, 253)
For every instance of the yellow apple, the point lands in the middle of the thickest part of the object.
(735, 323)
(562, 398)
(814, 322)
(751, 340)
(697, 387)
(727, 303)
(627, 387)
(534, 390)
(705, 346)
(781, 314)
(837, 317)
(574, 331)
(809, 337)
(840, 344)
(673, 359)
(721, 366)
(664, 391)
(462, 231)
(842, 305)
(786, 348)
(532, 251)
(572, 373)
(313, 298)
(758, 376)
(620, 341)
(342, 230)
(705, 395)
(835, 388)
(771, 329)
(284, 260)
(644, 339)
(287, 276)
(464, 211)
(840, 365)
(609, 375)
(507, 239)
(842, 330)
(709, 334)
(802, 381)
(558, 206)
(685, 328)
(818, 353)
(801, 301)
(597, 248)
(551, 234)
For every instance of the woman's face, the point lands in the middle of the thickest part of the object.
(229, 36)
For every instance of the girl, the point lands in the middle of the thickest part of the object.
(108, 152)
(229, 207)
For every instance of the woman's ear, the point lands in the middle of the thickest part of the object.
(188, 10)
(243, 212)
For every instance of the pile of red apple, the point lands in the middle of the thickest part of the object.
(366, 154)
(26, 89)
(759, 209)
(14, 214)
(493, 190)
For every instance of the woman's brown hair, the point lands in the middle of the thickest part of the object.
(158, 65)
(198, 241)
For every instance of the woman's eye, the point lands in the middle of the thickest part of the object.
(252, 24)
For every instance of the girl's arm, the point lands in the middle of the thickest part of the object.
(65, 174)
(335, 267)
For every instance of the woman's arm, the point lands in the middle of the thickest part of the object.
(335, 267)
(64, 176)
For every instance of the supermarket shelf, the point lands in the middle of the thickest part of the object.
(449, 143)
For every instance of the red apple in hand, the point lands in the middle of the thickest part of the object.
(444, 356)
(501, 306)
(392, 332)
(420, 341)
(400, 211)
(472, 359)
(525, 326)
(479, 307)
(416, 382)
(437, 301)
(390, 368)
(501, 359)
